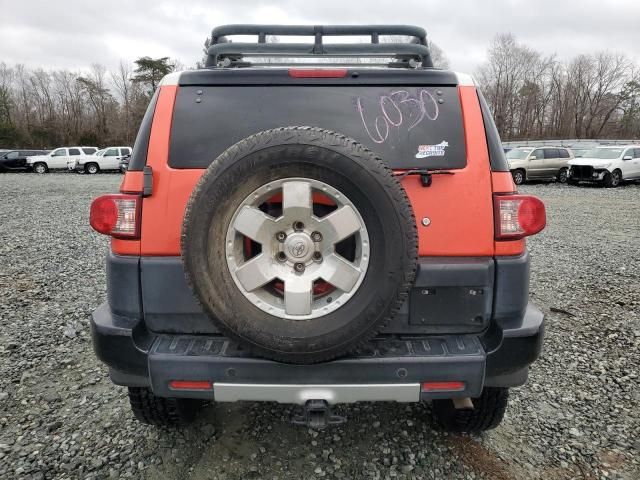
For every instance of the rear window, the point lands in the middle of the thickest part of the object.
(406, 126)
(89, 151)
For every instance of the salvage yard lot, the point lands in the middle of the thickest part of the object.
(60, 416)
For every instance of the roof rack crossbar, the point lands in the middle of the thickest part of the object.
(222, 51)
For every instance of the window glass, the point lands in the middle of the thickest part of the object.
(551, 153)
(125, 151)
(89, 150)
(112, 152)
(628, 152)
(606, 153)
(563, 153)
(74, 151)
(518, 153)
(636, 153)
(407, 126)
(61, 152)
(538, 153)
(11, 155)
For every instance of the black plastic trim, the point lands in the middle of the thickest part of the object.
(497, 157)
(123, 285)
(387, 360)
(133, 355)
(511, 295)
(139, 154)
(114, 344)
(519, 347)
(171, 307)
(280, 76)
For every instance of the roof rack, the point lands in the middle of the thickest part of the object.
(222, 52)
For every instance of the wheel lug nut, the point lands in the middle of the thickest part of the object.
(316, 237)
(281, 236)
(281, 256)
(298, 225)
(317, 256)
(299, 267)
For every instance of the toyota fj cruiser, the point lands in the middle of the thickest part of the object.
(318, 234)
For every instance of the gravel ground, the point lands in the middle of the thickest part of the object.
(60, 417)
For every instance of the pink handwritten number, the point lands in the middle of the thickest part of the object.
(391, 112)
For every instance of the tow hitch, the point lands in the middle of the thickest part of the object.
(317, 414)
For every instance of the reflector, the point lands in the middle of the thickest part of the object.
(443, 386)
(190, 385)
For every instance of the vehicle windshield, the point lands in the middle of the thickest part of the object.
(100, 152)
(518, 153)
(608, 153)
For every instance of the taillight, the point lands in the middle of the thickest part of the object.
(518, 216)
(318, 72)
(116, 215)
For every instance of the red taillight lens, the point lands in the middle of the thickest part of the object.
(443, 386)
(318, 72)
(190, 385)
(116, 215)
(518, 216)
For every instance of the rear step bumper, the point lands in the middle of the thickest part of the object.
(392, 362)
(390, 368)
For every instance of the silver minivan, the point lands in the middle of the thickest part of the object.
(542, 163)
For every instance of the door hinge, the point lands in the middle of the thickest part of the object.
(147, 181)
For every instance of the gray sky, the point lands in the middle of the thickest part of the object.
(75, 33)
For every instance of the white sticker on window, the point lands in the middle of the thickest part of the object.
(432, 150)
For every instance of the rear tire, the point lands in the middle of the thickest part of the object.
(518, 176)
(148, 408)
(91, 168)
(486, 414)
(40, 168)
(613, 179)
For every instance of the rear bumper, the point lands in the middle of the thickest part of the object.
(390, 368)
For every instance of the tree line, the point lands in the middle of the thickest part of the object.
(531, 96)
(46, 109)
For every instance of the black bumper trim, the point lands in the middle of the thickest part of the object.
(134, 355)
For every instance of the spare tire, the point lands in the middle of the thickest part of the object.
(299, 243)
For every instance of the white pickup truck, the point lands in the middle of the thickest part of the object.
(103, 160)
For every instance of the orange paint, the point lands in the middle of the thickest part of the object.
(502, 182)
(163, 211)
(459, 206)
(132, 182)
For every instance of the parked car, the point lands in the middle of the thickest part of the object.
(607, 165)
(57, 159)
(103, 160)
(16, 160)
(255, 260)
(543, 163)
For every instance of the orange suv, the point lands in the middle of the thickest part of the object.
(318, 234)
